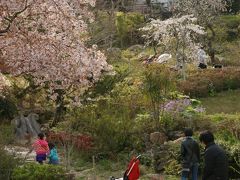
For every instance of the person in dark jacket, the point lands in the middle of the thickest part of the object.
(190, 156)
(216, 162)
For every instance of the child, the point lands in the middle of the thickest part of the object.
(40, 146)
(53, 156)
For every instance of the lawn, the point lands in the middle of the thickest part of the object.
(224, 102)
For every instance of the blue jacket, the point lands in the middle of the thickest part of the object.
(53, 156)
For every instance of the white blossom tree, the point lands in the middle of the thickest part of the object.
(44, 39)
(176, 34)
(206, 12)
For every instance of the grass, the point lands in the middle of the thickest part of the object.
(104, 169)
(225, 102)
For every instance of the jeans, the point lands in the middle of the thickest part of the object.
(194, 173)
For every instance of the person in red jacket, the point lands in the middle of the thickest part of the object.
(40, 146)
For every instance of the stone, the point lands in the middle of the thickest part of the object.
(26, 128)
(173, 135)
(163, 58)
(136, 48)
(158, 138)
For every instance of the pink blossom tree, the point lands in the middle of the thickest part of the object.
(44, 40)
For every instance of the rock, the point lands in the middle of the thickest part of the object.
(179, 140)
(163, 58)
(143, 56)
(32, 124)
(114, 53)
(175, 135)
(26, 128)
(136, 48)
(158, 138)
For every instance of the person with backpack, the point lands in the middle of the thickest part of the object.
(190, 154)
(215, 158)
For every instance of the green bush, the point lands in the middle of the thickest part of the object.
(6, 134)
(227, 132)
(7, 164)
(38, 172)
(227, 124)
(233, 153)
(204, 83)
(226, 28)
(7, 108)
(110, 127)
(127, 25)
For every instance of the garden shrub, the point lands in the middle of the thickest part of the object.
(203, 83)
(127, 25)
(167, 159)
(233, 153)
(7, 108)
(6, 134)
(7, 164)
(231, 126)
(37, 172)
(111, 127)
(227, 135)
(226, 28)
(228, 124)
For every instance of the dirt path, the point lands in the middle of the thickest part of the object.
(20, 152)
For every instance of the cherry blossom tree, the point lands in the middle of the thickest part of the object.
(178, 35)
(206, 12)
(44, 40)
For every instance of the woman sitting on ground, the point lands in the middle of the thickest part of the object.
(53, 155)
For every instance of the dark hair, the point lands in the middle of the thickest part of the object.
(206, 137)
(188, 132)
(41, 136)
(51, 145)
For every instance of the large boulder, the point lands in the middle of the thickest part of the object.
(163, 58)
(158, 138)
(26, 128)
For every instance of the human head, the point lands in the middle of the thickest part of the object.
(188, 132)
(51, 145)
(206, 137)
(41, 136)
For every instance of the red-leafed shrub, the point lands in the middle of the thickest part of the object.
(79, 141)
(203, 83)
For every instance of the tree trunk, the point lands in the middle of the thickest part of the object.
(211, 50)
(60, 108)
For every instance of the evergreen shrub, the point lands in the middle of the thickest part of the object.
(7, 164)
(34, 171)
